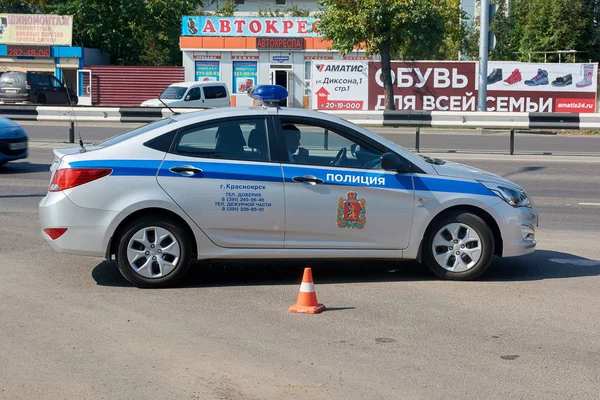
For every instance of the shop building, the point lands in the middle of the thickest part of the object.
(247, 51)
(42, 43)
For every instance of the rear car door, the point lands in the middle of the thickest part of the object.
(336, 194)
(222, 175)
(215, 96)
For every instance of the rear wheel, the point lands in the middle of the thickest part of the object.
(153, 252)
(41, 99)
(459, 246)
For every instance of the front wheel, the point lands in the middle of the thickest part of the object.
(459, 246)
(153, 252)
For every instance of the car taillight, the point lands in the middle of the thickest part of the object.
(55, 233)
(68, 178)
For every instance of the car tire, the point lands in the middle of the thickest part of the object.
(2, 163)
(41, 99)
(458, 246)
(153, 252)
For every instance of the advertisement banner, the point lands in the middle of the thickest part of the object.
(246, 26)
(512, 87)
(339, 85)
(207, 71)
(245, 76)
(573, 86)
(49, 30)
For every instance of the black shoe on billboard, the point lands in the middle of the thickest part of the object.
(495, 76)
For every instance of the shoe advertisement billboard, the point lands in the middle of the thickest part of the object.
(452, 86)
(339, 85)
(572, 86)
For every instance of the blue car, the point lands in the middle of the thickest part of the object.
(13, 141)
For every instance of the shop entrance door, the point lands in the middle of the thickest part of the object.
(84, 87)
(283, 75)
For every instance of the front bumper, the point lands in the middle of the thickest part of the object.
(87, 228)
(6, 154)
(517, 227)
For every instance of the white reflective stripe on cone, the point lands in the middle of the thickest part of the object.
(307, 287)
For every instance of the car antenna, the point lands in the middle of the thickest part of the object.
(170, 109)
(81, 146)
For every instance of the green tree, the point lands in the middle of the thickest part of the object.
(228, 9)
(456, 30)
(293, 11)
(410, 29)
(22, 6)
(133, 32)
(552, 25)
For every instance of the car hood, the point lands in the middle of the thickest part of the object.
(457, 170)
(10, 129)
(157, 103)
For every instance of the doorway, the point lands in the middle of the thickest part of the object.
(284, 76)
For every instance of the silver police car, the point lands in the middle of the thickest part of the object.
(269, 182)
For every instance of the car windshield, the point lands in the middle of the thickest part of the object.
(138, 131)
(173, 92)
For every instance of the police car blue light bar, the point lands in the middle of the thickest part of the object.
(268, 93)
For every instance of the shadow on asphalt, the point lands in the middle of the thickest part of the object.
(524, 170)
(531, 267)
(16, 167)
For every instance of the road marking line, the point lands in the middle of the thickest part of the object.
(589, 204)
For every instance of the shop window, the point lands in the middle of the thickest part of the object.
(245, 75)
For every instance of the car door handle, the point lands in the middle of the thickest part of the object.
(310, 179)
(185, 170)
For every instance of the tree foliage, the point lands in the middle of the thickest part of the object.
(133, 32)
(408, 29)
(293, 11)
(522, 27)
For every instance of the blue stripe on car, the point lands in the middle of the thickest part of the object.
(272, 173)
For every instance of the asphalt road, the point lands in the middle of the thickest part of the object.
(73, 328)
(432, 140)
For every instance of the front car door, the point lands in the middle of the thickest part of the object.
(222, 175)
(337, 196)
(59, 91)
(45, 90)
(193, 98)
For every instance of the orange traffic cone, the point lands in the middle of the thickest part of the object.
(307, 298)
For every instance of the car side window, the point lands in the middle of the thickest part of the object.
(193, 94)
(242, 139)
(44, 80)
(310, 144)
(55, 82)
(214, 92)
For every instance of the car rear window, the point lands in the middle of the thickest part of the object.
(138, 131)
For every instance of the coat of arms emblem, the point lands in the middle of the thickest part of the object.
(351, 211)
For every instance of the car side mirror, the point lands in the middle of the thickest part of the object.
(188, 97)
(393, 162)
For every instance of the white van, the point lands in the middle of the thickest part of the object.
(193, 95)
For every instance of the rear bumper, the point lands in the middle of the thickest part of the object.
(87, 229)
(17, 98)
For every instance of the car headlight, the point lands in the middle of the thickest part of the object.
(514, 196)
